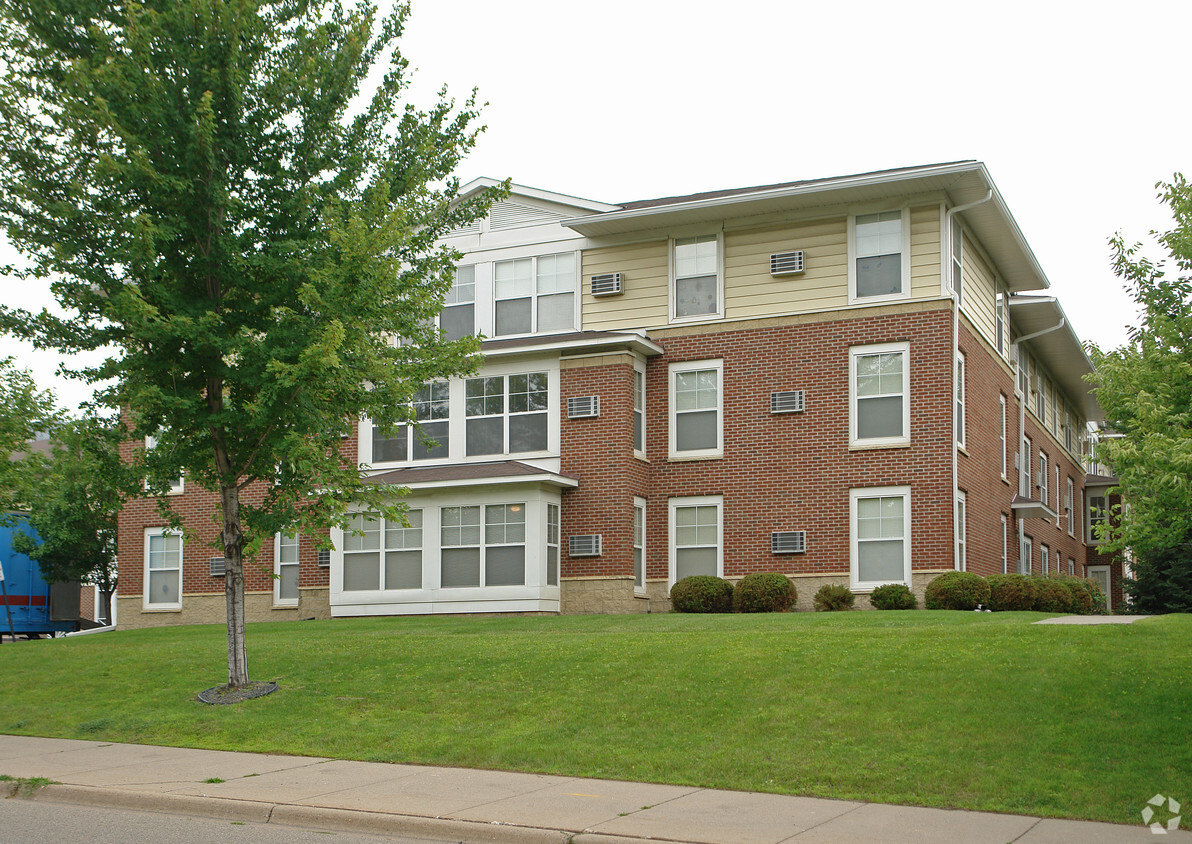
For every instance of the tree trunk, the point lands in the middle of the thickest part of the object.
(233, 542)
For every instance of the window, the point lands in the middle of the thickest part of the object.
(285, 567)
(1068, 499)
(382, 553)
(961, 532)
(458, 317)
(431, 410)
(1068, 443)
(1025, 554)
(880, 536)
(957, 261)
(1024, 477)
(1097, 511)
(639, 412)
(534, 294)
(1045, 559)
(960, 400)
(695, 530)
(1002, 407)
(696, 411)
(1024, 374)
(1040, 397)
(1071, 566)
(696, 266)
(999, 319)
(163, 569)
(1005, 543)
(879, 383)
(492, 554)
(639, 545)
(506, 414)
(552, 544)
(877, 266)
(1042, 479)
(177, 485)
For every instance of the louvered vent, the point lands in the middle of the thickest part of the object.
(786, 263)
(583, 407)
(788, 542)
(606, 284)
(788, 401)
(511, 215)
(324, 559)
(217, 566)
(471, 228)
(584, 546)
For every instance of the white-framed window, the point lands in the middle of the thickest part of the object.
(534, 295)
(1069, 440)
(285, 570)
(1040, 397)
(879, 256)
(1071, 566)
(382, 554)
(1096, 515)
(1042, 479)
(1024, 484)
(429, 439)
(1058, 503)
(999, 322)
(957, 261)
(163, 569)
(552, 544)
(696, 528)
(1024, 375)
(696, 409)
(458, 317)
(506, 414)
(1068, 505)
(483, 545)
(879, 395)
(177, 485)
(1005, 435)
(880, 536)
(639, 545)
(1005, 543)
(961, 531)
(1025, 553)
(960, 399)
(639, 412)
(1045, 559)
(696, 272)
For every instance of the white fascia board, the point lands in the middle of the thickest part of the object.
(635, 342)
(549, 478)
(484, 182)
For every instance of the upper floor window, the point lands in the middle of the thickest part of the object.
(999, 319)
(1042, 479)
(639, 412)
(1004, 440)
(1097, 514)
(960, 400)
(697, 290)
(458, 317)
(506, 413)
(1068, 504)
(696, 412)
(879, 384)
(534, 294)
(878, 250)
(429, 440)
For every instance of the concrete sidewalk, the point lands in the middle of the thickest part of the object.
(493, 806)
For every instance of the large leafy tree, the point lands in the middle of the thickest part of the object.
(25, 412)
(234, 204)
(1145, 388)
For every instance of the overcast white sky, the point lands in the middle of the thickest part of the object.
(1076, 108)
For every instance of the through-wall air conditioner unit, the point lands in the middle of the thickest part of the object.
(786, 263)
(217, 566)
(787, 401)
(606, 284)
(583, 407)
(788, 542)
(324, 559)
(584, 546)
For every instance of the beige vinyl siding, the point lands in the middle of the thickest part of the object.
(925, 252)
(750, 291)
(645, 271)
(979, 290)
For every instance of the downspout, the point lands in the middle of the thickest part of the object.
(1023, 468)
(947, 267)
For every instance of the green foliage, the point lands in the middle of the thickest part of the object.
(957, 590)
(1052, 595)
(25, 412)
(1145, 389)
(764, 592)
(702, 593)
(893, 596)
(1011, 592)
(833, 597)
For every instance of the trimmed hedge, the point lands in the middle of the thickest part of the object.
(957, 590)
(1011, 593)
(1051, 595)
(764, 592)
(833, 597)
(702, 593)
(893, 596)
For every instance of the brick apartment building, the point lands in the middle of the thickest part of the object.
(857, 380)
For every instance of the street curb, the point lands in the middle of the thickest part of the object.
(220, 808)
(382, 823)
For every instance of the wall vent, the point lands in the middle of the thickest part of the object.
(324, 559)
(606, 284)
(584, 546)
(583, 407)
(788, 401)
(217, 566)
(786, 263)
(788, 542)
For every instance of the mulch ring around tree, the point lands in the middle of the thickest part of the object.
(234, 694)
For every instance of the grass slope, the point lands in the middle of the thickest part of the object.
(965, 710)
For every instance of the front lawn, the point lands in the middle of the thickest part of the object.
(964, 710)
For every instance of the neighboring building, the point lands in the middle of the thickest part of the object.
(839, 379)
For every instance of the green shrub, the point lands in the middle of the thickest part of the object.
(1082, 599)
(1100, 606)
(702, 593)
(764, 592)
(1052, 595)
(957, 590)
(833, 597)
(893, 596)
(1011, 593)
